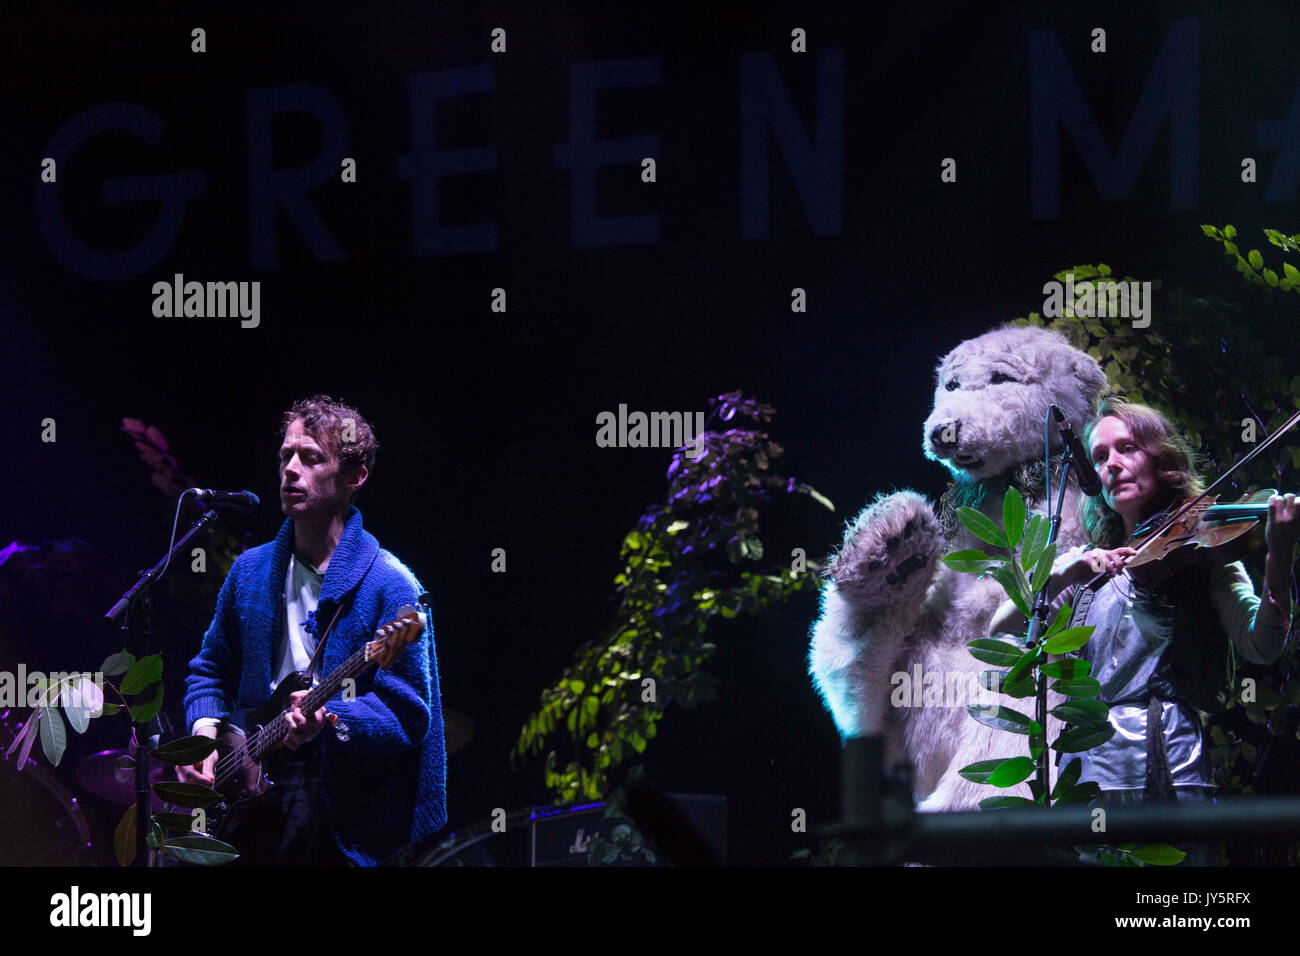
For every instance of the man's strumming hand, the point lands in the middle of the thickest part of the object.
(200, 773)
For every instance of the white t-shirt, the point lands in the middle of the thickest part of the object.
(302, 585)
(301, 594)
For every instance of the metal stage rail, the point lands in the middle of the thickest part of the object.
(881, 828)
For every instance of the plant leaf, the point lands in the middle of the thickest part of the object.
(142, 673)
(1007, 578)
(54, 737)
(1011, 772)
(1013, 516)
(118, 663)
(189, 795)
(1019, 689)
(998, 803)
(124, 838)
(31, 730)
(1158, 854)
(1077, 687)
(970, 561)
(202, 850)
(185, 751)
(1043, 568)
(144, 711)
(1068, 669)
(82, 701)
(1083, 738)
(982, 527)
(979, 771)
(1082, 712)
(997, 653)
(1062, 618)
(1071, 639)
(1068, 777)
(1035, 538)
(178, 822)
(156, 839)
(1004, 718)
(1083, 793)
(1023, 664)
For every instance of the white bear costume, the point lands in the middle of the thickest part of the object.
(891, 603)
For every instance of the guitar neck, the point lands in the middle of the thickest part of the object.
(273, 732)
(389, 640)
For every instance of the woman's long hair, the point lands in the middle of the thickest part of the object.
(1177, 466)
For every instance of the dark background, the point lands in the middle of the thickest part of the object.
(486, 421)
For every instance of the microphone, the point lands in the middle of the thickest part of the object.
(241, 501)
(1089, 482)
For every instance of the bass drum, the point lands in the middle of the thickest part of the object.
(41, 824)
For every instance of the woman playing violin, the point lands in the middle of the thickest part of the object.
(1161, 651)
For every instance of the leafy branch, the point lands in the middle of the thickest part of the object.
(1023, 568)
(680, 571)
(1251, 265)
(141, 696)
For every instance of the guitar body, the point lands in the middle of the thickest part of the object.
(249, 782)
(240, 776)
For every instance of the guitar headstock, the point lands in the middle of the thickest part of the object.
(395, 635)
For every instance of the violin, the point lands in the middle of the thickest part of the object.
(1200, 529)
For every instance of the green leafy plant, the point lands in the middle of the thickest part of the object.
(830, 852)
(1022, 569)
(625, 841)
(1023, 566)
(683, 566)
(1251, 265)
(141, 694)
(1177, 364)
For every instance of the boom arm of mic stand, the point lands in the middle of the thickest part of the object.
(147, 579)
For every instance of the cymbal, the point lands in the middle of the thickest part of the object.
(459, 729)
(99, 774)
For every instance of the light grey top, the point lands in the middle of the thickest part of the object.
(1126, 651)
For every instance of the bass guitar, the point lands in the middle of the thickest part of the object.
(240, 774)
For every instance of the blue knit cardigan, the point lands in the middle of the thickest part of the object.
(384, 766)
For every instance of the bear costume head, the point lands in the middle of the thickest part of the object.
(992, 392)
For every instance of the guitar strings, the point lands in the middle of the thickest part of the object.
(230, 764)
(226, 767)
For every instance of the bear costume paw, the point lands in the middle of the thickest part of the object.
(889, 556)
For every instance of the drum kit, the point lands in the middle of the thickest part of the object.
(43, 824)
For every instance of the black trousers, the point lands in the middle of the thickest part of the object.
(287, 826)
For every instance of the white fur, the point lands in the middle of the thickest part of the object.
(870, 628)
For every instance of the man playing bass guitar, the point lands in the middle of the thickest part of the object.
(364, 776)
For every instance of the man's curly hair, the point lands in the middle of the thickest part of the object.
(325, 419)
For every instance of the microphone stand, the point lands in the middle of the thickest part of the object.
(1038, 619)
(136, 606)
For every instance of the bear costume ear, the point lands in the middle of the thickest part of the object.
(1090, 377)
